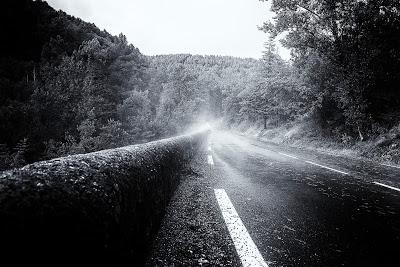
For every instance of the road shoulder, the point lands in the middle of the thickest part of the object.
(193, 232)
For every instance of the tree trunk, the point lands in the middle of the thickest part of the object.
(265, 122)
(34, 75)
(360, 134)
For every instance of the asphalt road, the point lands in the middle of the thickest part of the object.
(296, 208)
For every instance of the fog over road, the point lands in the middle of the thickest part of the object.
(296, 208)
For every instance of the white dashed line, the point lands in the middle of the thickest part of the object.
(248, 252)
(210, 160)
(387, 186)
(313, 163)
(328, 168)
(209, 148)
(290, 156)
(387, 165)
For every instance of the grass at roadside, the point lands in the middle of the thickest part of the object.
(385, 148)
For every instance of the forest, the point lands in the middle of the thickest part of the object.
(67, 87)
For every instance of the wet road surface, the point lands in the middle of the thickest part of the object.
(281, 207)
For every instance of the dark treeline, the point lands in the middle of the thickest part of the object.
(67, 87)
(343, 83)
(64, 84)
(348, 53)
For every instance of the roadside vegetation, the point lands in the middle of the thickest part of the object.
(67, 87)
(342, 87)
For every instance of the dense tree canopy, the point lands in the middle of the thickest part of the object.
(190, 89)
(67, 87)
(349, 54)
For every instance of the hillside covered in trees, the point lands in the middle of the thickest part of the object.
(343, 84)
(64, 84)
(67, 87)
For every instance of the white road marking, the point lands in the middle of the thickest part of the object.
(290, 156)
(210, 160)
(209, 148)
(388, 186)
(248, 252)
(322, 166)
(387, 165)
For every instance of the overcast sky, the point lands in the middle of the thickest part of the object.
(205, 27)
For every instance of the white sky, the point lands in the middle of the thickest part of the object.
(205, 27)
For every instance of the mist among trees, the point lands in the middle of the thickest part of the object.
(67, 87)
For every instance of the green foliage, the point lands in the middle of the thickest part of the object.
(349, 57)
(19, 155)
(63, 86)
(186, 89)
(5, 158)
(112, 134)
(70, 88)
(279, 95)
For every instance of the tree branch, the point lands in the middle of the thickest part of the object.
(309, 10)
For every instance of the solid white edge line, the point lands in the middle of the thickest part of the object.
(387, 165)
(210, 160)
(246, 249)
(290, 156)
(322, 166)
(388, 186)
